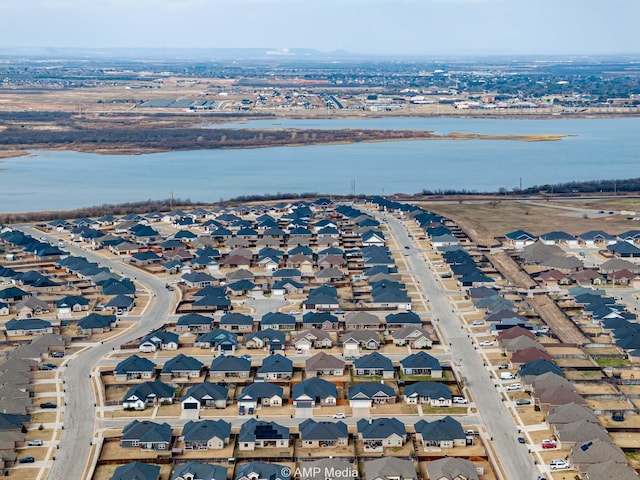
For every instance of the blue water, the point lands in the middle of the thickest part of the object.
(599, 149)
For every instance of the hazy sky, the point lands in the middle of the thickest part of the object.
(359, 26)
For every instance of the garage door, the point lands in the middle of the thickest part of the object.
(190, 405)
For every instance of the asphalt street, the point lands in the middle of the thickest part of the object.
(515, 459)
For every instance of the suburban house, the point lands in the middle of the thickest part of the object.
(366, 339)
(313, 338)
(159, 340)
(260, 395)
(368, 394)
(374, 364)
(228, 367)
(205, 395)
(148, 394)
(183, 367)
(236, 322)
(71, 304)
(134, 368)
(443, 433)
(314, 392)
(433, 393)
(262, 471)
(95, 323)
(360, 319)
(519, 239)
(262, 434)
(137, 471)
(390, 468)
(221, 341)
(415, 337)
(377, 433)
(275, 367)
(278, 321)
(324, 364)
(194, 322)
(421, 363)
(28, 327)
(269, 338)
(320, 320)
(206, 434)
(199, 471)
(450, 468)
(146, 435)
(323, 434)
(403, 320)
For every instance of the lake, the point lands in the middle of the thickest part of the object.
(597, 149)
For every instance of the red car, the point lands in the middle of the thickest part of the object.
(548, 444)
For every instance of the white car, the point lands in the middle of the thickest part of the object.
(486, 343)
(559, 465)
(514, 386)
(459, 400)
(477, 322)
(339, 415)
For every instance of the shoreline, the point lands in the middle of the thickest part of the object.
(388, 136)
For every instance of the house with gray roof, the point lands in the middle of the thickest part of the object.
(374, 364)
(262, 434)
(206, 434)
(314, 392)
(323, 434)
(585, 454)
(324, 364)
(378, 433)
(570, 434)
(421, 363)
(450, 468)
(434, 394)
(262, 471)
(313, 338)
(199, 471)
(353, 341)
(443, 433)
(260, 395)
(229, 367)
(136, 471)
(569, 413)
(182, 366)
(148, 394)
(413, 336)
(275, 367)
(609, 470)
(134, 368)
(361, 320)
(146, 435)
(205, 395)
(390, 468)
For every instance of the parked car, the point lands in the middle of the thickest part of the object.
(339, 415)
(57, 355)
(514, 386)
(548, 444)
(471, 432)
(559, 465)
(460, 400)
(486, 343)
(339, 311)
(504, 366)
(48, 405)
(44, 367)
(35, 443)
(523, 401)
(477, 322)
(170, 288)
(27, 460)
(521, 440)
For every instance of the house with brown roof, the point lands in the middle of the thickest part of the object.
(586, 454)
(515, 332)
(587, 276)
(324, 364)
(529, 354)
(313, 338)
(569, 413)
(554, 396)
(570, 434)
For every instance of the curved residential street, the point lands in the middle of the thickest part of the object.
(515, 459)
(79, 413)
